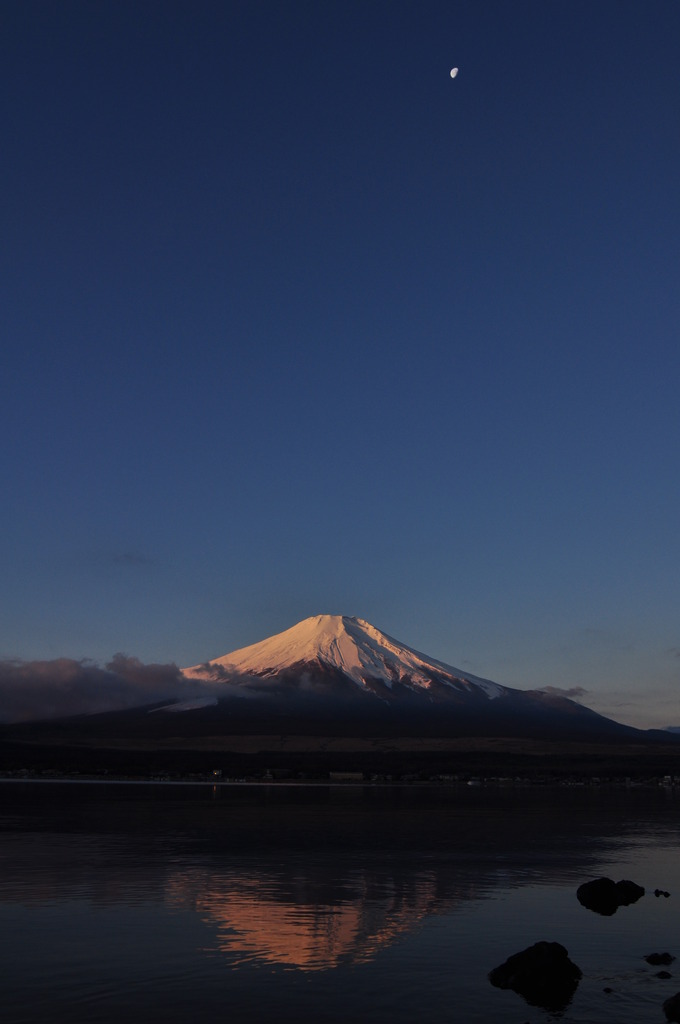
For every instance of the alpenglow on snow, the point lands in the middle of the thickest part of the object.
(351, 645)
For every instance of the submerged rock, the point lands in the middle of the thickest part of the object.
(656, 959)
(604, 896)
(543, 974)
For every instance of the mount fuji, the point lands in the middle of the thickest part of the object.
(353, 649)
(333, 692)
(339, 674)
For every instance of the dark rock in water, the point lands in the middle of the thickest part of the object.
(672, 1008)
(543, 974)
(659, 958)
(604, 896)
(663, 974)
(629, 892)
(600, 895)
(661, 892)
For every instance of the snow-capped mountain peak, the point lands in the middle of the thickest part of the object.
(346, 644)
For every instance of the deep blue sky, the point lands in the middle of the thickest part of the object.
(294, 323)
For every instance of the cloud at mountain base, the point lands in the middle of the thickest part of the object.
(32, 690)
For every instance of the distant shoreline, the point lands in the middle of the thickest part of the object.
(321, 783)
(314, 760)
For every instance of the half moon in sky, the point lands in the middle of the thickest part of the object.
(454, 72)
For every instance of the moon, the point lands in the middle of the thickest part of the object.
(454, 72)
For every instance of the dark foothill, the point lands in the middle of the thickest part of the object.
(659, 958)
(542, 974)
(604, 896)
(672, 1008)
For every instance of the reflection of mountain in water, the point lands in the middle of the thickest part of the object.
(312, 877)
(261, 917)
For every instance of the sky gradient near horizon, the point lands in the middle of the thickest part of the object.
(295, 323)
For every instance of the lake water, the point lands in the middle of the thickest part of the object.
(126, 903)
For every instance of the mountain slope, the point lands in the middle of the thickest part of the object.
(351, 646)
(339, 674)
(335, 678)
